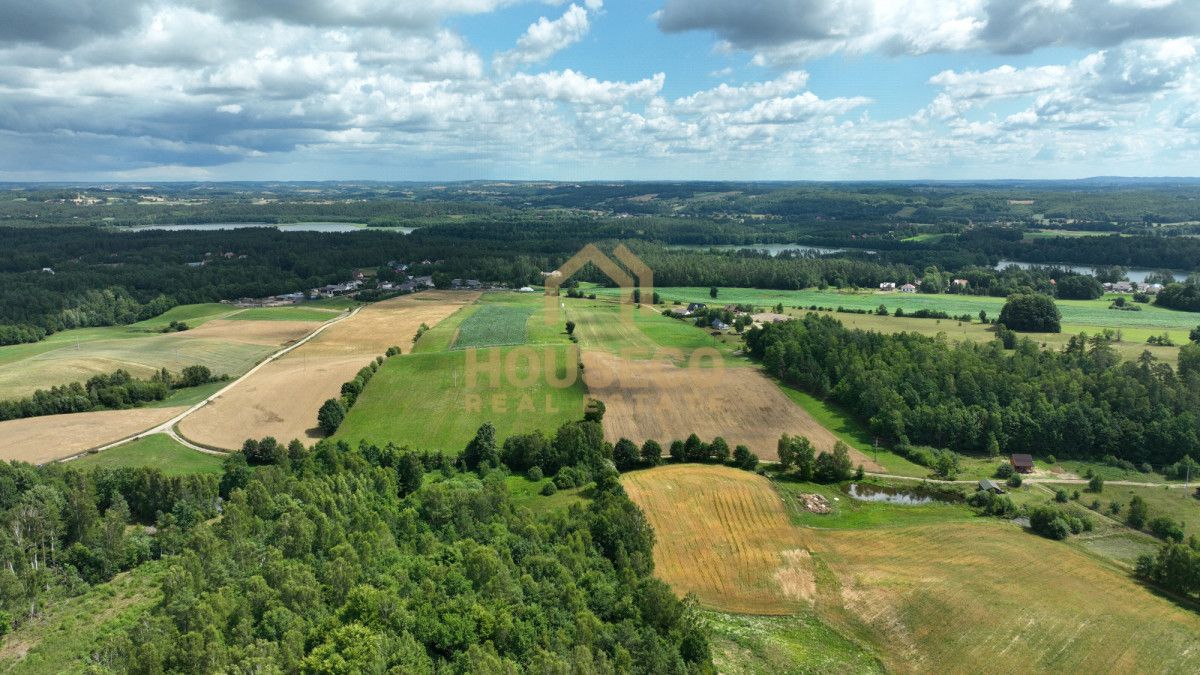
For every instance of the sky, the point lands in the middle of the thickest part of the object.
(435, 90)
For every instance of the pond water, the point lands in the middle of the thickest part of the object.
(876, 493)
(1135, 274)
(770, 249)
(287, 227)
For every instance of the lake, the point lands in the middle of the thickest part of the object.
(1135, 274)
(771, 249)
(286, 227)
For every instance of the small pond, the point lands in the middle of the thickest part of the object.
(890, 495)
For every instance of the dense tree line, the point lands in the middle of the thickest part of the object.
(1185, 296)
(115, 390)
(979, 398)
(65, 528)
(358, 560)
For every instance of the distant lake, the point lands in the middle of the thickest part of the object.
(771, 249)
(1135, 274)
(286, 227)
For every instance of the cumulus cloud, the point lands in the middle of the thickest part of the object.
(788, 31)
(546, 38)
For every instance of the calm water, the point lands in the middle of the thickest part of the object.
(873, 493)
(772, 249)
(289, 227)
(1134, 273)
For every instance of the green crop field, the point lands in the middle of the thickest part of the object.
(427, 400)
(494, 325)
(159, 451)
(297, 313)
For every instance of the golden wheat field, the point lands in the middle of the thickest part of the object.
(959, 596)
(282, 398)
(43, 439)
(723, 535)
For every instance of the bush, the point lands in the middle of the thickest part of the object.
(1096, 484)
(549, 489)
(1014, 480)
(744, 459)
(535, 474)
(1004, 470)
(1165, 528)
(1049, 523)
(331, 415)
(1060, 496)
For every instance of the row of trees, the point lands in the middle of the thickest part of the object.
(333, 411)
(115, 390)
(1082, 402)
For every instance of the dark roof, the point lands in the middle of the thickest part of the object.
(1022, 460)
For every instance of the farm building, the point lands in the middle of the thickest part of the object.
(908, 288)
(887, 286)
(695, 307)
(1022, 463)
(990, 486)
(719, 324)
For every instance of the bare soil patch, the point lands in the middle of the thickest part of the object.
(724, 535)
(43, 439)
(282, 398)
(660, 400)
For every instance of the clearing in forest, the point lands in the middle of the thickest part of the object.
(282, 398)
(43, 439)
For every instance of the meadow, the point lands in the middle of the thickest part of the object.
(159, 451)
(427, 400)
(932, 589)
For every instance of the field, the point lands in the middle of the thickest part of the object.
(930, 592)
(158, 451)
(429, 400)
(1077, 315)
(725, 536)
(43, 439)
(225, 339)
(281, 399)
(494, 325)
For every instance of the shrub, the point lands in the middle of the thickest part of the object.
(1049, 523)
(1165, 528)
(549, 489)
(1060, 496)
(535, 474)
(1096, 484)
(1014, 480)
(1004, 470)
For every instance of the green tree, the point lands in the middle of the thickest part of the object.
(570, 327)
(1137, 514)
(330, 416)
(625, 455)
(1096, 484)
(744, 459)
(835, 466)
(651, 452)
(1031, 313)
(718, 450)
(712, 292)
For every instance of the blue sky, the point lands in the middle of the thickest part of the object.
(598, 89)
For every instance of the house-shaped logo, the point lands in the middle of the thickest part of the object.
(592, 254)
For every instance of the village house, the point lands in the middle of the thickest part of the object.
(695, 307)
(718, 324)
(1022, 463)
(908, 288)
(887, 286)
(961, 283)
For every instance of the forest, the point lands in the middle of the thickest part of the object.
(980, 398)
(345, 560)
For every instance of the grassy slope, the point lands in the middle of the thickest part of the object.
(771, 645)
(71, 628)
(159, 451)
(424, 400)
(285, 314)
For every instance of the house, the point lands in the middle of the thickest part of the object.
(1152, 289)
(695, 307)
(908, 288)
(718, 324)
(990, 486)
(961, 283)
(1022, 463)
(887, 286)
(679, 312)
(425, 281)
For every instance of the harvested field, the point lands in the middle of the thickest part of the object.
(986, 596)
(657, 399)
(42, 439)
(724, 535)
(281, 399)
(225, 346)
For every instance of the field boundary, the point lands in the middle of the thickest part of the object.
(168, 427)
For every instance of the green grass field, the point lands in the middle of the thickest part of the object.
(159, 451)
(298, 313)
(777, 645)
(494, 325)
(426, 400)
